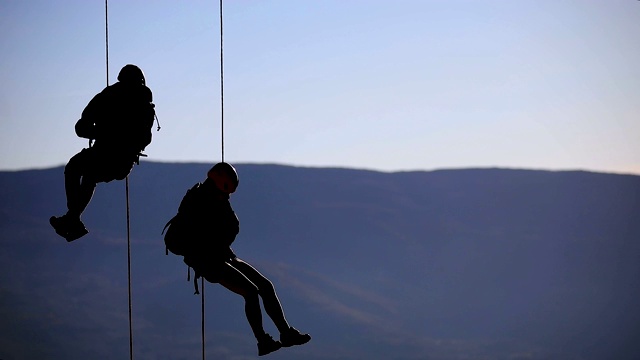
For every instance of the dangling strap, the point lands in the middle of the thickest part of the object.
(158, 121)
(196, 276)
(140, 154)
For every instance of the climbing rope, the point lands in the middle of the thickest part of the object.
(202, 302)
(221, 87)
(222, 158)
(106, 30)
(106, 35)
(129, 269)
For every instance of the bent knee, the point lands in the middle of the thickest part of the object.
(73, 167)
(250, 293)
(266, 286)
(77, 163)
(247, 290)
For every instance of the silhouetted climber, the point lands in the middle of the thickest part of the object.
(203, 231)
(120, 119)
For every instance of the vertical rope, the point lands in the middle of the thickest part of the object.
(202, 297)
(221, 85)
(222, 159)
(129, 270)
(106, 36)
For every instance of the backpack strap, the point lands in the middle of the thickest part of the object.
(167, 225)
(166, 249)
(186, 204)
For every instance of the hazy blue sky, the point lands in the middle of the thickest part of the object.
(387, 85)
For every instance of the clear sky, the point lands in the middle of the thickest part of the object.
(385, 85)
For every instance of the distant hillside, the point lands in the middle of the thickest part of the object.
(451, 264)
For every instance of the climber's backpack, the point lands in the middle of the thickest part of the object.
(179, 238)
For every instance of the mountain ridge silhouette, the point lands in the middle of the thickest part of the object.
(444, 264)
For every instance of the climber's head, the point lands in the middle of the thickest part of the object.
(131, 74)
(224, 176)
